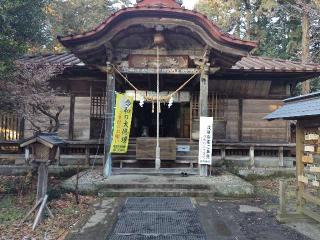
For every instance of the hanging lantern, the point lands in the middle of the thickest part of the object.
(158, 39)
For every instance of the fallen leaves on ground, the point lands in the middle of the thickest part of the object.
(271, 185)
(65, 210)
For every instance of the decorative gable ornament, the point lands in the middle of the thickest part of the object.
(160, 3)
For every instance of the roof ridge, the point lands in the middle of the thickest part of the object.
(303, 97)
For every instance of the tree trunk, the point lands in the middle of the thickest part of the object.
(305, 57)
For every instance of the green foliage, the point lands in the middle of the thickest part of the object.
(22, 27)
(315, 84)
(8, 210)
(77, 16)
(265, 20)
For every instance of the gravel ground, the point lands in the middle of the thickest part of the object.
(222, 220)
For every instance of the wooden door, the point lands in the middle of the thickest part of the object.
(185, 120)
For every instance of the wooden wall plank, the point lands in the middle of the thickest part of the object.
(255, 128)
(232, 116)
(82, 118)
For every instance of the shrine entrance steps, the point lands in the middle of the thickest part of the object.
(140, 185)
(176, 186)
(186, 160)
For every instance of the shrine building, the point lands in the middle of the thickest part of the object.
(206, 71)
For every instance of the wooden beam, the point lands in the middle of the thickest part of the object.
(175, 71)
(40, 213)
(42, 185)
(110, 104)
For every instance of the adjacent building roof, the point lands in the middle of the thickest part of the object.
(298, 107)
(256, 63)
(249, 63)
(65, 59)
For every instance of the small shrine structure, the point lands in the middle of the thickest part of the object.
(305, 110)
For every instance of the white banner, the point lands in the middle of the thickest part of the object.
(205, 140)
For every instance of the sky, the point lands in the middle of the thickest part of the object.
(189, 3)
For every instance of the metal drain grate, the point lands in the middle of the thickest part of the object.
(158, 219)
(142, 237)
(159, 204)
(181, 223)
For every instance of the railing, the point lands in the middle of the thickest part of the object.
(238, 154)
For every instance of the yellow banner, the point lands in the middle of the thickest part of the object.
(122, 124)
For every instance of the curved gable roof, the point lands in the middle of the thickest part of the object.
(162, 9)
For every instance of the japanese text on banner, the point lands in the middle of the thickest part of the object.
(122, 124)
(205, 140)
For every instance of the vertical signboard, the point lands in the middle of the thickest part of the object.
(122, 124)
(205, 140)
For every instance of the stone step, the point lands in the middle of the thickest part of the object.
(153, 171)
(142, 186)
(157, 193)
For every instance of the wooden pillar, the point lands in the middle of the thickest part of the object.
(42, 185)
(251, 156)
(87, 152)
(203, 106)
(223, 154)
(71, 117)
(240, 122)
(282, 198)
(281, 158)
(299, 164)
(110, 104)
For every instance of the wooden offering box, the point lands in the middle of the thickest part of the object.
(146, 148)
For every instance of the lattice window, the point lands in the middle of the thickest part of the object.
(216, 106)
(97, 116)
(98, 106)
(11, 127)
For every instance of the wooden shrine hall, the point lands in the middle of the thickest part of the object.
(207, 73)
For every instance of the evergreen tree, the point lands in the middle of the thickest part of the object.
(22, 27)
(77, 16)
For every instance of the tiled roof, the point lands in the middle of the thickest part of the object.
(65, 59)
(255, 63)
(297, 107)
(249, 63)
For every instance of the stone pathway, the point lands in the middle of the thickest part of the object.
(158, 219)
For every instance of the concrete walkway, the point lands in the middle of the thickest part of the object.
(183, 219)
